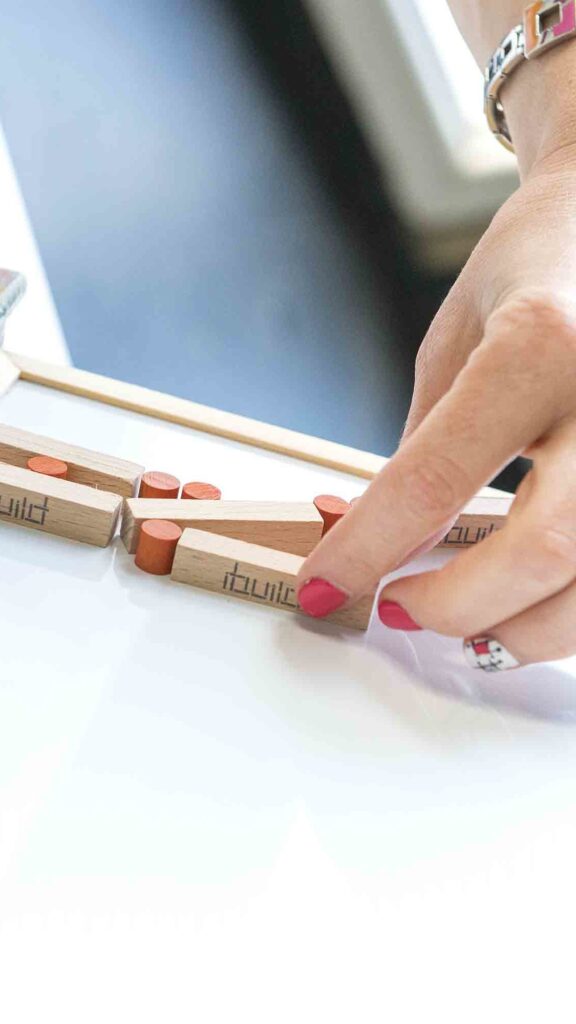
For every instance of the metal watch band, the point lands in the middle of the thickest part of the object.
(545, 24)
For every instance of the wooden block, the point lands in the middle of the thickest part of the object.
(481, 517)
(251, 573)
(84, 466)
(57, 506)
(285, 526)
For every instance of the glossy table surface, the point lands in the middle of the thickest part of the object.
(212, 812)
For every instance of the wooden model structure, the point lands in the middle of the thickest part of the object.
(250, 550)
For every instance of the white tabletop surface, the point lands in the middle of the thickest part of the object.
(214, 812)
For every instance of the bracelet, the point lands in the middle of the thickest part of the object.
(545, 24)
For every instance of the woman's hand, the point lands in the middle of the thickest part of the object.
(495, 377)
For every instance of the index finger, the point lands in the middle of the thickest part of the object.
(500, 403)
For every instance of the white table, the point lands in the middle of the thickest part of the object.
(215, 812)
(211, 812)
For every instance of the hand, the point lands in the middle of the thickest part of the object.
(495, 377)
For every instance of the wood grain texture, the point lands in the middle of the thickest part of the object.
(57, 506)
(93, 469)
(284, 526)
(480, 518)
(253, 573)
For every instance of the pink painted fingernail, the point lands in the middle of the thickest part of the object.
(318, 598)
(395, 616)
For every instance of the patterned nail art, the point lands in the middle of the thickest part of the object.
(488, 654)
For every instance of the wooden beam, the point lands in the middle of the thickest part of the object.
(93, 469)
(288, 526)
(253, 573)
(481, 517)
(57, 506)
(293, 526)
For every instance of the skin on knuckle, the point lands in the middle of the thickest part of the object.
(548, 556)
(537, 324)
(433, 488)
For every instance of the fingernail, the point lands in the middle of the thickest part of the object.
(489, 655)
(395, 616)
(318, 598)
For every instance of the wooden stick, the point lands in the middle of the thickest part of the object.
(199, 417)
(293, 526)
(57, 506)
(251, 573)
(93, 469)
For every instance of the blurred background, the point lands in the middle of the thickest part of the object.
(258, 206)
